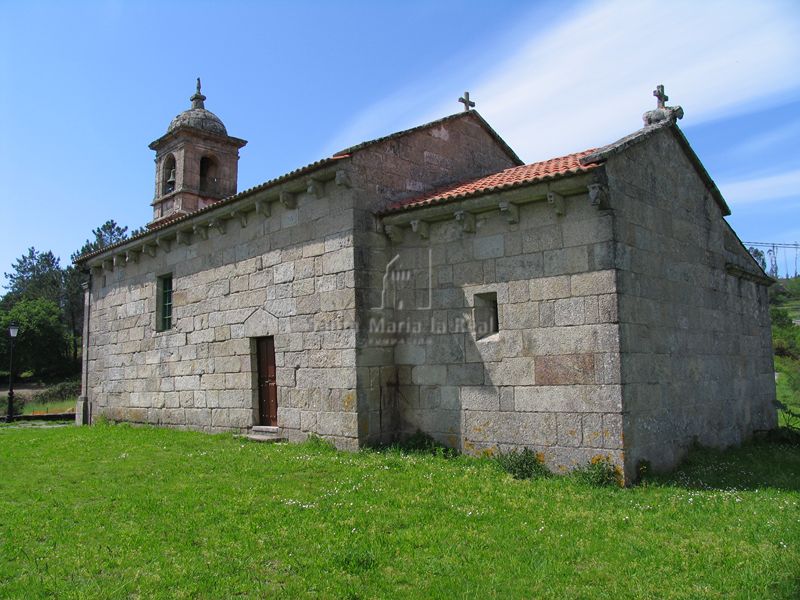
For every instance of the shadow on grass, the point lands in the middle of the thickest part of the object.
(773, 462)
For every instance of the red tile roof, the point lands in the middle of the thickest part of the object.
(509, 178)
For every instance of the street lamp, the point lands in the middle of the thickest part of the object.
(13, 330)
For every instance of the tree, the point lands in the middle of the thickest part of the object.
(759, 257)
(41, 345)
(72, 279)
(35, 275)
(108, 233)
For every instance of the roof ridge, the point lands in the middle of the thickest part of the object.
(473, 113)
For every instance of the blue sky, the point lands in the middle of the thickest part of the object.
(86, 86)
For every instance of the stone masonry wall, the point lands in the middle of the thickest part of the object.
(549, 379)
(289, 275)
(696, 348)
(458, 149)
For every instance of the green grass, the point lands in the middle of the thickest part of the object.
(121, 512)
(29, 406)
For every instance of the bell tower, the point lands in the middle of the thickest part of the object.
(196, 163)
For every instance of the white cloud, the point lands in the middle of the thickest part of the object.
(586, 80)
(759, 189)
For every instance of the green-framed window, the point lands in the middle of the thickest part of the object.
(164, 312)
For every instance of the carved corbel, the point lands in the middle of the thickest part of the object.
(184, 237)
(97, 270)
(163, 244)
(598, 195)
(288, 199)
(241, 215)
(118, 260)
(556, 200)
(395, 232)
(263, 208)
(132, 256)
(342, 178)
(467, 221)
(108, 265)
(316, 187)
(511, 211)
(201, 231)
(420, 228)
(218, 224)
(150, 249)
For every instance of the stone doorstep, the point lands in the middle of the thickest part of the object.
(264, 433)
(265, 429)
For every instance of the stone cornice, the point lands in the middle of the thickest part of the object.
(505, 201)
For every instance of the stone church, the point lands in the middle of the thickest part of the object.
(595, 304)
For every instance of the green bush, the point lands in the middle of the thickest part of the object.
(60, 392)
(422, 443)
(599, 472)
(524, 464)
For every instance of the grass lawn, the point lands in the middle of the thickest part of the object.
(29, 407)
(121, 512)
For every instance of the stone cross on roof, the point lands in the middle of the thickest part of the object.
(662, 111)
(466, 102)
(658, 93)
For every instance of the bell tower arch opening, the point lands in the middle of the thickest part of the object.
(168, 175)
(208, 174)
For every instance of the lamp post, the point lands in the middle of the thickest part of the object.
(13, 329)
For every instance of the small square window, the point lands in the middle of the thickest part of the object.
(485, 315)
(164, 311)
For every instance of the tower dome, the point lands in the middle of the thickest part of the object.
(198, 117)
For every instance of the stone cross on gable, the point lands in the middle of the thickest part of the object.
(466, 102)
(660, 96)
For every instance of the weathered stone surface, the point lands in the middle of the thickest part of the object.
(565, 369)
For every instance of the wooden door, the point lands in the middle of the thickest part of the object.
(267, 388)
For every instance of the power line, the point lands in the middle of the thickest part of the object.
(773, 244)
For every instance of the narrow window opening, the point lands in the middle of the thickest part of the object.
(485, 314)
(164, 312)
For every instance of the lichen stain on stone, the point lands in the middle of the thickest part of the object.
(349, 401)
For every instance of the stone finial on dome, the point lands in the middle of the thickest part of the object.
(662, 111)
(198, 98)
